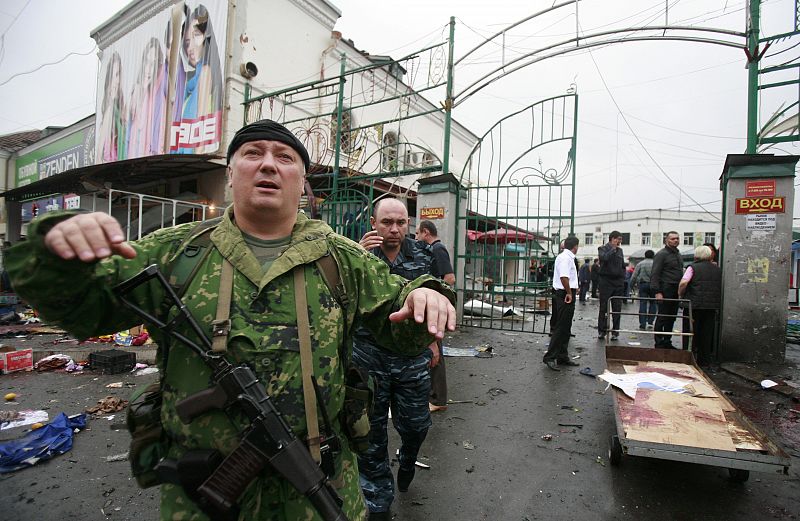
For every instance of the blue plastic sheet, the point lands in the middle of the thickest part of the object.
(42, 444)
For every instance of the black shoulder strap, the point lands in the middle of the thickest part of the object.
(192, 251)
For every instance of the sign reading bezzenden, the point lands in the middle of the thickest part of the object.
(748, 205)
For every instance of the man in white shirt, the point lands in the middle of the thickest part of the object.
(565, 282)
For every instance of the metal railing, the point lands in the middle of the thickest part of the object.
(682, 304)
(146, 213)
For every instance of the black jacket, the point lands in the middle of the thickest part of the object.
(667, 270)
(612, 263)
(705, 288)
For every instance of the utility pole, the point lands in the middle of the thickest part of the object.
(753, 20)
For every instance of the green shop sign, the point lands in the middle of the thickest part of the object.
(73, 151)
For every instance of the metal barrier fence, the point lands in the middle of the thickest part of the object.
(681, 318)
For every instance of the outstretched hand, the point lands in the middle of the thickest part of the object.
(428, 306)
(89, 237)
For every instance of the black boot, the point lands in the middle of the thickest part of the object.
(404, 478)
(379, 516)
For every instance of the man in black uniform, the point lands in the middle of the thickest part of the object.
(442, 268)
(667, 273)
(611, 282)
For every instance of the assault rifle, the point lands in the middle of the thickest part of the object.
(268, 441)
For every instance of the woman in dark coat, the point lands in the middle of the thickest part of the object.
(702, 285)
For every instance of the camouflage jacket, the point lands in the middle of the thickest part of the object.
(77, 296)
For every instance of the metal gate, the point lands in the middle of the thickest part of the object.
(525, 165)
(364, 131)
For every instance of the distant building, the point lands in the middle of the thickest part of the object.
(642, 230)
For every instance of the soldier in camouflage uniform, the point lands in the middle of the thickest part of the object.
(402, 381)
(69, 263)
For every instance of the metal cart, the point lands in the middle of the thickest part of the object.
(750, 448)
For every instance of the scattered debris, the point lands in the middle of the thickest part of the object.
(496, 391)
(547, 437)
(107, 405)
(20, 418)
(53, 362)
(479, 352)
(114, 385)
(578, 425)
(471, 469)
(467, 445)
(10, 397)
(600, 461)
(146, 371)
(766, 384)
(587, 371)
(116, 457)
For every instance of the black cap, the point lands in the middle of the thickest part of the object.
(270, 131)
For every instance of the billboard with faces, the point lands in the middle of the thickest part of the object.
(160, 87)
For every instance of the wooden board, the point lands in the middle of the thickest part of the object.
(676, 419)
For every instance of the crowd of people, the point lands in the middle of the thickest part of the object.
(665, 290)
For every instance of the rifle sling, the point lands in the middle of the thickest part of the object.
(306, 363)
(221, 326)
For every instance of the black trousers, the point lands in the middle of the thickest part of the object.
(563, 313)
(609, 288)
(667, 312)
(704, 340)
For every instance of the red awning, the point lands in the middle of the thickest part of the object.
(504, 235)
(474, 235)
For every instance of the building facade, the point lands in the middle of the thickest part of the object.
(172, 84)
(642, 230)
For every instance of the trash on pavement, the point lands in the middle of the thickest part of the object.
(587, 371)
(766, 384)
(496, 391)
(114, 385)
(578, 425)
(117, 457)
(547, 437)
(52, 362)
(42, 444)
(478, 308)
(467, 445)
(10, 397)
(107, 405)
(146, 371)
(634, 344)
(20, 418)
(480, 351)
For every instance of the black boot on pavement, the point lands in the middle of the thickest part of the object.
(404, 479)
(380, 516)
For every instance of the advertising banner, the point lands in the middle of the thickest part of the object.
(134, 116)
(73, 151)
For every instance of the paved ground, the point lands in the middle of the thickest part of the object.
(488, 458)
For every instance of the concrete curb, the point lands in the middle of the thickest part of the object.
(145, 354)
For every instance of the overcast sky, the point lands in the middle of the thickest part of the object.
(684, 103)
